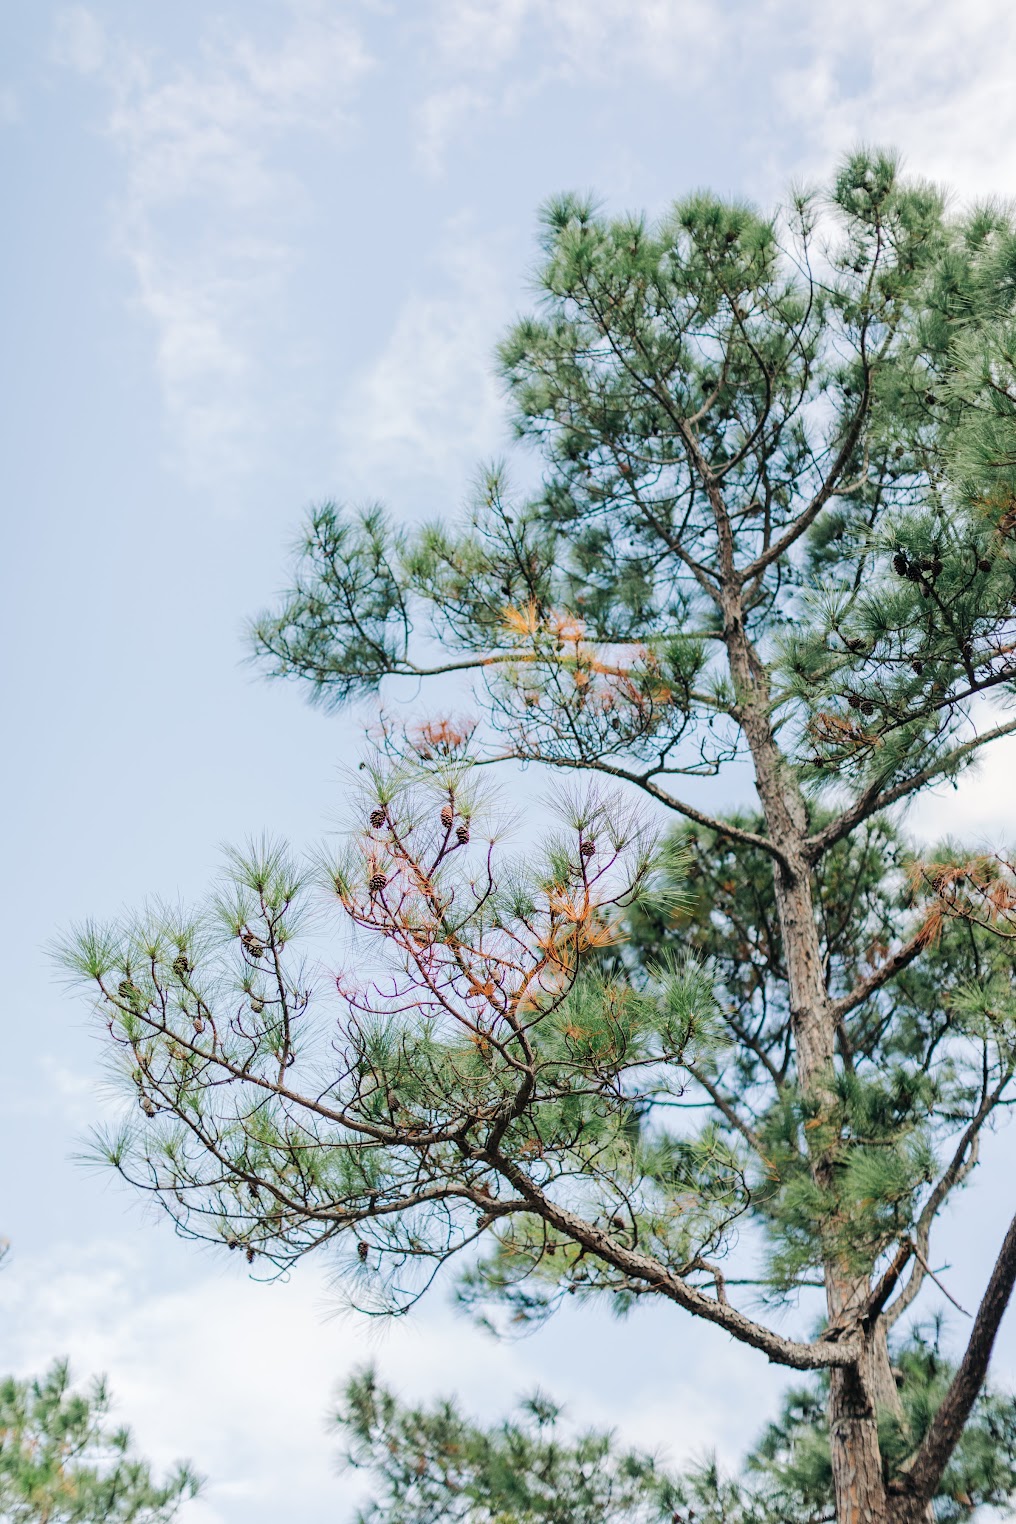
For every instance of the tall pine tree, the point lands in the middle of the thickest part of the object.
(775, 531)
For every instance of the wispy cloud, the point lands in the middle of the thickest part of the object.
(429, 406)
(931, 75)
(477, 48)
(978, 809)
(239, 1376)
(79, 41)
(586, 35)
(932, 78)
(213, 208)
(207, 189)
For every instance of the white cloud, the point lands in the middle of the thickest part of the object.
(590, 36)
(981, 810)
(482, 33)
(429, 405)
(934, 79)
(79, 41)
(209, 184)
(204, 203)
(238, 1377)
(440, 118)
(233, 1375)
(478, 46)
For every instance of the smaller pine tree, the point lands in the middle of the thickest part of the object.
(431, 1465)
(61, 1462)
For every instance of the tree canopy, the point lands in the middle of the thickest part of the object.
(734, 1066)
(62, 1463)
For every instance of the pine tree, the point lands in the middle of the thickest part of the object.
(776, 529)
(61, 1463)
(430, 1465)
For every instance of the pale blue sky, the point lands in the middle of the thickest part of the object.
(258, 254)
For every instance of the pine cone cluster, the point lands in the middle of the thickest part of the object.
(917, 567)
(253, 944)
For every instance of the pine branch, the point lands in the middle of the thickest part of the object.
(923, 1474)
(644, 781)
(874, 981)
(960, 1165)
(875, 798)
(817, 1355)
(810, 513)
(726, 1108)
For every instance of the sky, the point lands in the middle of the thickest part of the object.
(257, 255)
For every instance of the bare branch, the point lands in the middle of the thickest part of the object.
(876, 798)
(726, 1108)
(827, 490)
(959, 1167)
(893, 965)
(644, 782)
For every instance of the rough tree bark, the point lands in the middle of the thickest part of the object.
(857, 1391)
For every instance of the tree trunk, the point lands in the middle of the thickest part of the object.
(856, 1392)
(854, 1449)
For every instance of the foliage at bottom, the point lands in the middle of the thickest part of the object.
(62, 1463)
(431, 1465)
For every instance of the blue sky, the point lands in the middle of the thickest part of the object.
(257, 254)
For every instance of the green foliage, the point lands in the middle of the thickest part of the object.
(982, 1471)
(719, 346)
(431, 1464)
(60, 1462)
(913, 1056)
(493, 1040)
(347, 591)
(791, 1461)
